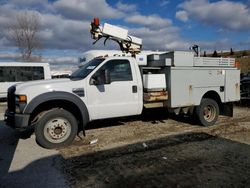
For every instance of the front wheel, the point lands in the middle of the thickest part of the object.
(56, 128)
(207, 112)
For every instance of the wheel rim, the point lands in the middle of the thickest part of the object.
(209, 113)
(57, 130)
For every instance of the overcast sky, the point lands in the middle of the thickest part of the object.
(162, 24)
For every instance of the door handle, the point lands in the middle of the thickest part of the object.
(134, 89)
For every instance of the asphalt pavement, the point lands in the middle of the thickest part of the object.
(23, 163)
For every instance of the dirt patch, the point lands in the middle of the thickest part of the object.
(161, 152)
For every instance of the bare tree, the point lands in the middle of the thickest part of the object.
(24, 33)
(231, 51)
(205, 54)
(215, 54)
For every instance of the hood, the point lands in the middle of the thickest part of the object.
(34, 88)
(40, 82)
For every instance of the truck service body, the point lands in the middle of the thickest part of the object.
(116, 86)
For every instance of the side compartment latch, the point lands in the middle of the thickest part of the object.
(134, 89)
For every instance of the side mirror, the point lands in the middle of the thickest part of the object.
(107, 77)
(94, 80)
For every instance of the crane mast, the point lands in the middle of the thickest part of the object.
(127, 43)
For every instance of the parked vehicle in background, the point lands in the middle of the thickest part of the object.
(245, 87)
(91, 54)
(14, 72)
(60, 74)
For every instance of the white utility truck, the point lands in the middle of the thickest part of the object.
(116, 86)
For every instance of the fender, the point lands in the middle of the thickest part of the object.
(59, 95)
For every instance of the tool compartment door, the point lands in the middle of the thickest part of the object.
(232, 85)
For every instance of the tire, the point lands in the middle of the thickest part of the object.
(56, 128)
(207, 112)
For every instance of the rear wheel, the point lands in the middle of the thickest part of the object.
(56, 128)
(207, 112)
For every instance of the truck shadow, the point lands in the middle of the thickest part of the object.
(153, 116)
(185, 160)
(39, 173)
(8, 144)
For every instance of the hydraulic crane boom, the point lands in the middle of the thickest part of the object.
(127, 43)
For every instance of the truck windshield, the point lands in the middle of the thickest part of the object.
(86, 69)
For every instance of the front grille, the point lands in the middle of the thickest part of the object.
(11, 99)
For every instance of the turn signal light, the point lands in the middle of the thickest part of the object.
(22, 98)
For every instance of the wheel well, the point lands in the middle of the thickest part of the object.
(67, 105)
(213, 95)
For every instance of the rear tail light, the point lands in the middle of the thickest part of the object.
(237, 64)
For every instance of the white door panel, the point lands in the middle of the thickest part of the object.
(113, 100)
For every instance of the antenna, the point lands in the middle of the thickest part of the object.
(196, 49)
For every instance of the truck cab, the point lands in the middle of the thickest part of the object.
(102, 88)
(113, 88)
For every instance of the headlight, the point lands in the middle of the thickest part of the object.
(17, 109)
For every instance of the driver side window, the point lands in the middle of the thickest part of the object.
(120, 70)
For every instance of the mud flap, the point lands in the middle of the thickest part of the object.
(226, 109)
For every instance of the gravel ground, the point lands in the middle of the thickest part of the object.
(161, 151)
